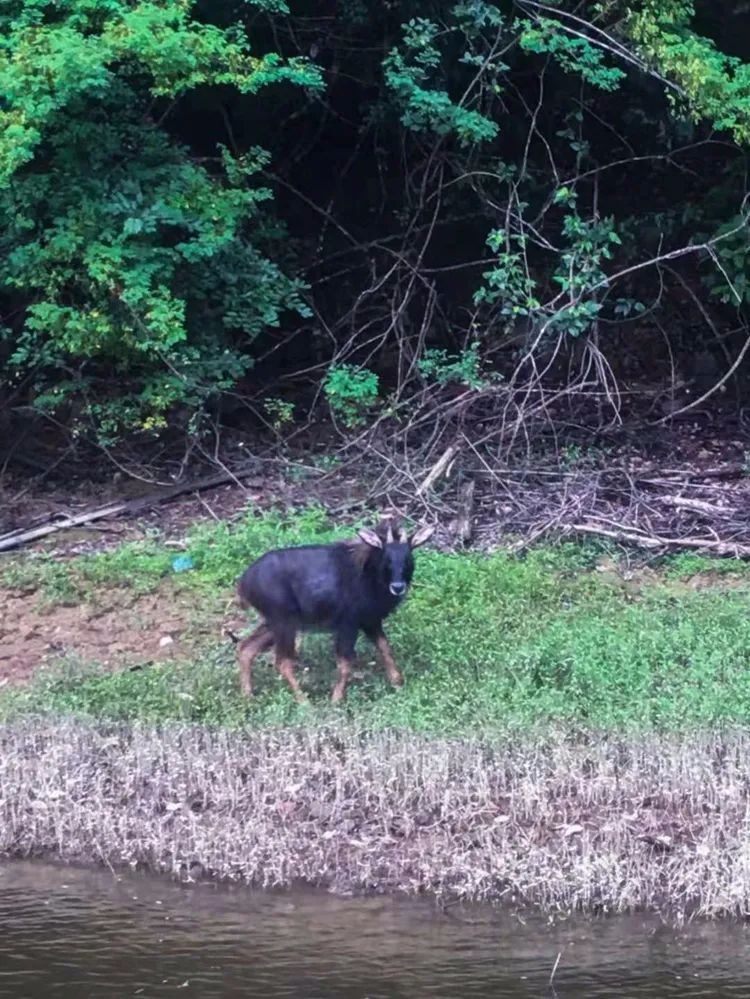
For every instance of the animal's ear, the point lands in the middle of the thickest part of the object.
(422, 534)
(370, 537)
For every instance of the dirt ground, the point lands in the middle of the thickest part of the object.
(117, 635)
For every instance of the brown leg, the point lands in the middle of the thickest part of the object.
(285, 665)
(285, 640)
(344, 667)
(258, 641)
(391, 669)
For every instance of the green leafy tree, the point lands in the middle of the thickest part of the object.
(706, 83)
(134, 272)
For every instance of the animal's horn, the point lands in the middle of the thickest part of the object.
(389, 533)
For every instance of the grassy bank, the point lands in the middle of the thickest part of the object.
(571, 732)
(611, 824)
(488, 642)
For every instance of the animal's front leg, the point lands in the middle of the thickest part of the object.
(392, 672)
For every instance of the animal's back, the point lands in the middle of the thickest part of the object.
(308, 586)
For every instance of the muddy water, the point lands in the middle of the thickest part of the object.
(66, 932)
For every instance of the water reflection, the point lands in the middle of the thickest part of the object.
(82, 933)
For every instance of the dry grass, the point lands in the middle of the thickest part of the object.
(607, 824)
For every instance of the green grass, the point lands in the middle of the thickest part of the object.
(488, 643)
(219, 552)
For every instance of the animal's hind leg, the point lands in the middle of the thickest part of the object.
(285, 639)
(345, 644)
(258, 641)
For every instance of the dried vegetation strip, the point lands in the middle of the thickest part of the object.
(614, 823)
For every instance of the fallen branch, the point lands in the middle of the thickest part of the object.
(698, 506)
(633, 536)
(462, 526)
(732, 471)
(14, 539)
(442, 465)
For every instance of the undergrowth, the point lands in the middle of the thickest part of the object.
(488, 642)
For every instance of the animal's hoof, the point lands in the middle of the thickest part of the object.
(338, 696)
(396, 680)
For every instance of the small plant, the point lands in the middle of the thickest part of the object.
(280, 412)
(464, 368)
(351, 392)
(326, 462)
(580, 456)
(570, 455)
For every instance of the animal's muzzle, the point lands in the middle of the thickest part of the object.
(397, 589)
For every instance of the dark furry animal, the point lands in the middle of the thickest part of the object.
(343, 588)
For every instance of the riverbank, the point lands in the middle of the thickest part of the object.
(605, 823)
(572, 731)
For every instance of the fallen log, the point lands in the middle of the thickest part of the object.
(14, 539)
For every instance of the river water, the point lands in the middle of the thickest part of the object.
(91, 933)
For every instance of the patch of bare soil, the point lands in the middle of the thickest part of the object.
(119, 632)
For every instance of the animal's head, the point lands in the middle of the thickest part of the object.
(394, 563)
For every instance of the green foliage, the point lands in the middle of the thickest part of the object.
(712, 84)
(140, 260)
(536, 246)
(581, 273)
(580, 456)
(281, 412)
(508, 286)
(731, 283)
(465, 369)
(576, 54)
(488, 643)
(124, 252)
(412, 72)
(351, 392)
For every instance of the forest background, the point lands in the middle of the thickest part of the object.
(474, 248)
